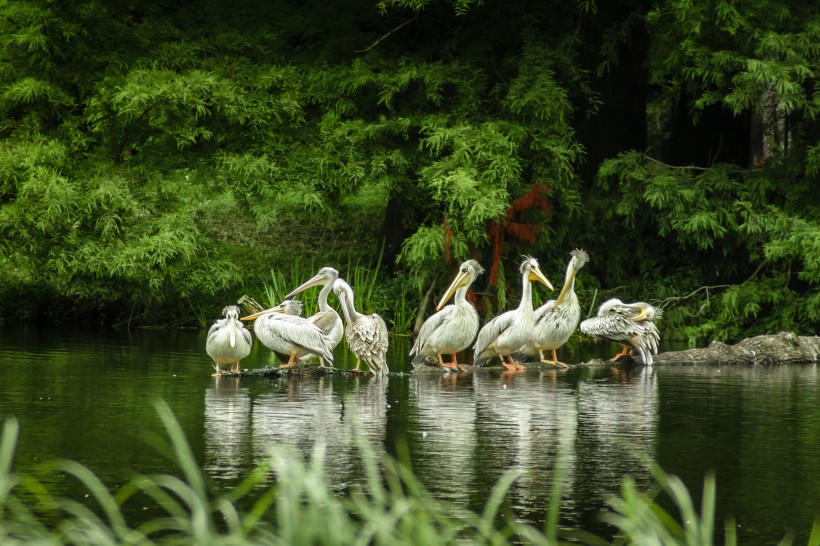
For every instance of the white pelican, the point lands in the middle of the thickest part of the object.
(453, 328)
(366, 334)
(327, 319)
(228, 341)
(280, 329)
(557, 319)
(509, 331)
(630, 324)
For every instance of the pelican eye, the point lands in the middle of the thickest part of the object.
(464, 270)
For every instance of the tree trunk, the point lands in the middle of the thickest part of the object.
(620, 123)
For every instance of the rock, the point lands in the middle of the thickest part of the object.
(765, 350)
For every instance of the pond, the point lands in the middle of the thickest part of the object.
(88, 396)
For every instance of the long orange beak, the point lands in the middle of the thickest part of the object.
(536, 275)
(462, 279)
(317, 280)
(278, 309)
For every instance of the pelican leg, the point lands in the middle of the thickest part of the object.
(554, 361)
(512, 365)
(290, 363)
(236, 368)
(322, 363)
(216, 368)
(358, 363)
(459, 366)
(624, 352)
(452, 364)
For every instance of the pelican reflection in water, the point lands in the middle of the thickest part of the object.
(228, 340)
(509, 331)
(327, 319)
(556, 320)
(452, 328)
(366, 334)
(286, 333)
(630, 324)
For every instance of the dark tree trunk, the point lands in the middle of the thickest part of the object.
(716, 136)
(392, 232)
(620, 123)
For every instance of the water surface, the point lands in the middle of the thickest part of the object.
(87, 396)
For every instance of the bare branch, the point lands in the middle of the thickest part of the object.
(374, 44)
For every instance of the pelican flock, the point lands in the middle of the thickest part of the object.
(511, 336)
(228, 340)
(630, 324)
(452, 328)
(509, 331)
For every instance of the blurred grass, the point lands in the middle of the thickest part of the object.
(389, 507)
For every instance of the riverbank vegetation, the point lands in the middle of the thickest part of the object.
(158, 160)
(389, 506)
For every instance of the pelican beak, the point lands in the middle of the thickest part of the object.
(233, 332)
(536, 275)
(642, 315)
(278, 309)
(462, 279)
(317, 280)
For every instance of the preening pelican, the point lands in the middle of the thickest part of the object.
(366, 334)
(557, 319)
(453, 328)
(228, 341)
(280, 329)
(630, 324)
(509, 331)
(327, 319)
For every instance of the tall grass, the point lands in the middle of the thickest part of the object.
(389, 507)
(372, 290)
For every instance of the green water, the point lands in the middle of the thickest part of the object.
(88, 397)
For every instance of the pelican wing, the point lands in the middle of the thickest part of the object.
(246, 335)
(642, 336)
(491, 332)
(613, 326)
(430, 325)
(328, 321)
(369, 341)
(543, 311)
(215, 328)
(300, 331)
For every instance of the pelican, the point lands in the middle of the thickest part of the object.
(453, 328)
(509, 331)
(366, 334)
(327, 319)
(557, 319)
(228, 341)
(630, 324)
(280, 329)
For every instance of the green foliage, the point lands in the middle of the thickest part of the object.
(729, 53)
(156, 159)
